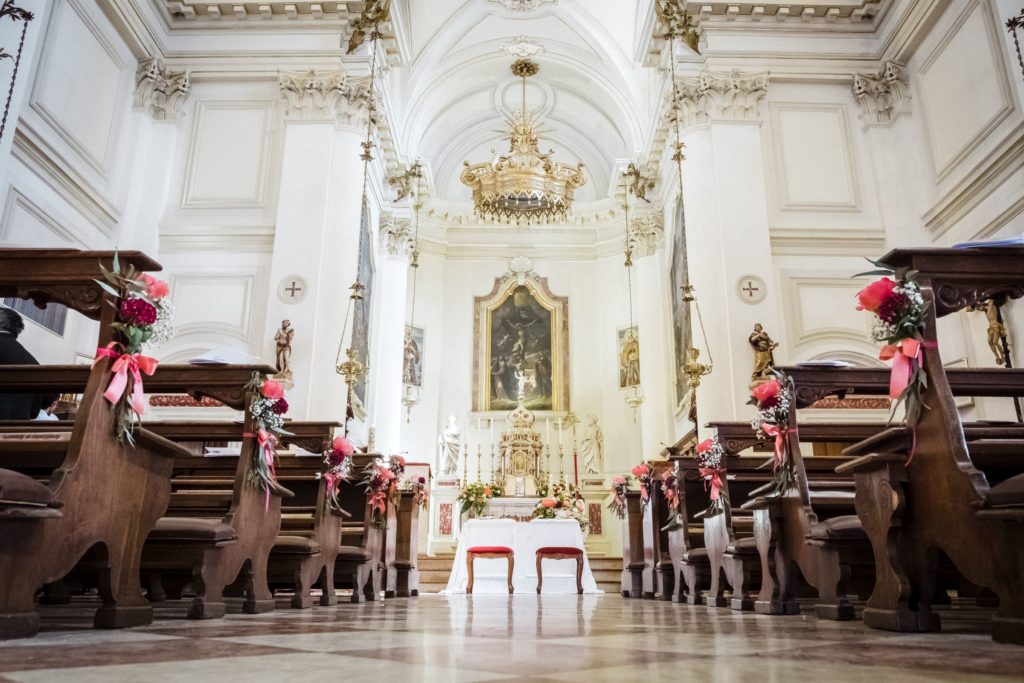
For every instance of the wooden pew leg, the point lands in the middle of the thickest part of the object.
(738, 574)
(258, 598)
(833, 602)
(697, 580)
(1008, 622)
(666, 580)
(881, 503)
(18, 617)
(328, 596)
(56, 593)
(120, 589)
(155, 585)
(374, 584)
(301, 581)
(209, 586)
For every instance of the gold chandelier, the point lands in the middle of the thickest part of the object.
(525, 185)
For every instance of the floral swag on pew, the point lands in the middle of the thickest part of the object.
(338, 466)
(670, 490)
(773, 400)
(268, 407)
(899, 312)
(643, 475)
(711, 465)
(420, 495)
(564, 502)
(381, 479)
(143, 317)
(620, 484)
(473, 497)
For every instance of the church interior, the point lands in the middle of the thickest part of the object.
(497, 340)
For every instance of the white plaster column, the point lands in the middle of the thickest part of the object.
(647, 237)
(316, 239)
(160, 94)
(391, 285)
(727, 230)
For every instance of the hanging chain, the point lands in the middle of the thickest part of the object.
(629, 260)
(1012, 25)
(415, 255)
(14, 74)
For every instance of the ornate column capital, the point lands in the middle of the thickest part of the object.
(324, 96)
(883, 96)
(718, 96)
(161, 91)
(646, 233)
(396, 235)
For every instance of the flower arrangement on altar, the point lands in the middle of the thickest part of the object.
(474, 497)
(642, 472)
(418, 486)
(381, 479)
(711, 465)
(899, 310)
(563, 502)
(143, 317)
(773, 400)
(338, 459)
(620, 484)
(267, 405)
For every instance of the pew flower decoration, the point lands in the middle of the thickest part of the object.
(267, 406)
(642, 472)
(473, 497)
(143, 317)
(620, 484)
(381, 479)
(711, 465)
(338, 462)
(773, 400)
(418, 486)
(564, 502)
(899, 310)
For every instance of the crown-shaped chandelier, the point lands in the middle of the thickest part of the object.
(524, 185)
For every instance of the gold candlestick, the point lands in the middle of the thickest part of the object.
(494, 479)
(561, 464)
(479, 457)
(465, 464)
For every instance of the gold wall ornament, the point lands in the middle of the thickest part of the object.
(678, 26)
(998, 343)
(694, 370)
(407, 181)
(525, 185)
(367, 25)
(636, 182)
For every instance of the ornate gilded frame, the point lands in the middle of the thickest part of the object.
(483, 306)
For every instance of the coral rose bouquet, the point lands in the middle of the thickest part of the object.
(774, 401)
(143, 317)
(267, 405)
(620, 484)
(381, 479)
(418, 486)
(711, 465)
(642, 472)
(337, 468)
(473, 497)
(899, 309)
(564, 502)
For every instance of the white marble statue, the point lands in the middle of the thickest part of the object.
(592, 447)
(449, 445)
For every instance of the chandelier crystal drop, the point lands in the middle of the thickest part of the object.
(525, 185)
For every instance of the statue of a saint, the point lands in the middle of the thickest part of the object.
(694, 370)
(283, 339)
(764, 358)
(629, 361)
(592, 447)
(449, 445)
(996, 331)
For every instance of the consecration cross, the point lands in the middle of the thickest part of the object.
(293, 289)
(749, 288)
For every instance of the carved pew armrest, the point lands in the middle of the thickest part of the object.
(872, 462)
(757, 502)
(892, 440)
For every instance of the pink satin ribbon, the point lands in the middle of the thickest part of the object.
(125, 363)
(267, 443)
(904, 355)
(714, 476)
(780, 442)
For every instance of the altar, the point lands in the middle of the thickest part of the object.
(524, 538)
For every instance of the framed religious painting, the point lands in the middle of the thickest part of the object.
(521, 342)
(412, 356)
(678, 278)
(628, 345)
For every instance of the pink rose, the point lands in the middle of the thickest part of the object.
(385, 474)
(705, 445)
(618, 480)
(398, 460)
(155, 289)
(641, 470)
(875, 294)
(272, 390)
(766, 391)
(342, 445)
(548, 502)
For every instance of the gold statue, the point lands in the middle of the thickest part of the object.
(694, 370)
(996, 331)
(283, 339)
(764, 358)
(629, 361)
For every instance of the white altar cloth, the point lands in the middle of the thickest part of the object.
(524, 538)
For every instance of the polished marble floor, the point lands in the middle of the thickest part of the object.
(497, 638)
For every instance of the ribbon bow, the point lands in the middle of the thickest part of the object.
(905, 354)
(714, 476)
(780, 442)
(268, 444)
(125, 363)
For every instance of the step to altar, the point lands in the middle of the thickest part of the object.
(434, 572)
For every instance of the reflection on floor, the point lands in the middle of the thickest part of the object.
(497, 638)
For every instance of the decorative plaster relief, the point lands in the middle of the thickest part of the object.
(882, 96)
(396, 235)
(647, 234)
(161, 91)
(712, 96)
(324, 96)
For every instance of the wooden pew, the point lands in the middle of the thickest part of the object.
(109, 494)
(359, 563)
(686, 541)
(942, 503)
(633, 552)
(659, 572)
(401, 549)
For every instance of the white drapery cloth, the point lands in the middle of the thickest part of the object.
(490, 576)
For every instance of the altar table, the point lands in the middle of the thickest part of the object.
(490, 576)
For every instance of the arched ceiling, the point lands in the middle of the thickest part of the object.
(590, 93)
